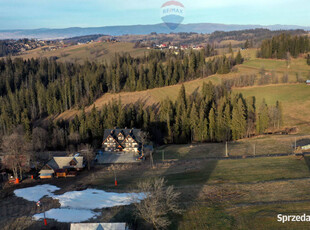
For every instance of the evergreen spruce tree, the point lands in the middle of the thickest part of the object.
(194, 122)
(262, 121)
(212, 125)
(238, 122)
(239, 59)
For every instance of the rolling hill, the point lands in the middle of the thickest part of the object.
(295, 97)
(46, 33)
(97, 51)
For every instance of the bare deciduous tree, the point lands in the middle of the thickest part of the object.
(39, 139)
(144, 137)
(58, 139)
(159, 202)
(16, 151)
(75, 138)
(89, 154)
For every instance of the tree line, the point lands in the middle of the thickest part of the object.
(36, 88)
(212, 115)
(263, 78)
(281, 46)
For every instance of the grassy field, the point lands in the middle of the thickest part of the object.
(223, 194)
(295, 100)
(98, 52)
(228, 194)
(262, 145)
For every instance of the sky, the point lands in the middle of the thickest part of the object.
(33, 14)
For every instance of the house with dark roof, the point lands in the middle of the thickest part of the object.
(62, 167)
(122, 140)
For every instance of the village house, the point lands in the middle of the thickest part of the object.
(308, 82)
(122, 140)
(98, 226)
(62, 167)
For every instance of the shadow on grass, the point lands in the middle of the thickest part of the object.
(307, 160)
(189, 178)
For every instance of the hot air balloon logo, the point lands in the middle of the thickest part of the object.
(172, 13)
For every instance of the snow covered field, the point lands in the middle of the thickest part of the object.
(77, 206)
(95, 199)
(36, 193)
(67, 215)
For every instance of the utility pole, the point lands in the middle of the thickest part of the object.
(254, 149)
(151, 160)
(226, 148)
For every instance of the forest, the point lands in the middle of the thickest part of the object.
(37, 88)
(255, 35)
(213, 115)
(284, 45)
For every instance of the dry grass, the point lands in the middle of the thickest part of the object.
(264, 145)
(99, 52)
(295, 98)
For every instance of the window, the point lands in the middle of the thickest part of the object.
(73, 163)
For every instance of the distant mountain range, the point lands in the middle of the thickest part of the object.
(46, 33)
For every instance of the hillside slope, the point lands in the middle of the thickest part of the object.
(97, 51)
(295, 97)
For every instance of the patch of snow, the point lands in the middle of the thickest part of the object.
(36, 193)
(97, 199)
(67, 215)
(77, 206)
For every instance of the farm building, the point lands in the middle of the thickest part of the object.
(308, 82)
(122, 140)
(62, 167)
(99, 226)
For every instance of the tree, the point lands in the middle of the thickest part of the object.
(239, 59)
(89, 154)
(230, 50)
(17, 154)
(238, 122)
(144, 137)
(247, 44)
(39, 139)
(262, 121)
(285, 78)
(182, 97)
(212, 125)
(160, 201)
(194, 121)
